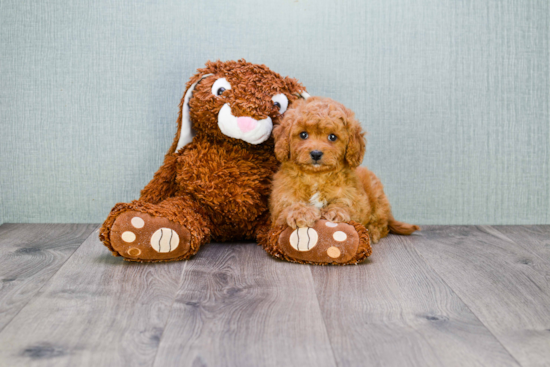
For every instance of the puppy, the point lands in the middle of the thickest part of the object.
(320, 145)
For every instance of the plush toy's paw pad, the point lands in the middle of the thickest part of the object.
(140, 236)
(323, 243)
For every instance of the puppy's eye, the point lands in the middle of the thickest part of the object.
(280, 102)
(332, 137)
(304, 135)
(220, 86)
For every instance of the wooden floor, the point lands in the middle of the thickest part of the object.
(449, 296)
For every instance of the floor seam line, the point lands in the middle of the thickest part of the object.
(170, 311)
(322, 317)
(464, 302)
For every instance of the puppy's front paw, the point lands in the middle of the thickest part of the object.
(336, 215)
(304, 216)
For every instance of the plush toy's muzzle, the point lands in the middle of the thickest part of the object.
(244, 128)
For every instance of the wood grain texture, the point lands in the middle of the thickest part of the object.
(29, 256)
(96, 311)
(395, 310)
(534, 239)
(449, 296)
(239, 307)
(505, 285)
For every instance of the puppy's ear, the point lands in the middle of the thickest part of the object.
(356, 145)
(281, 134)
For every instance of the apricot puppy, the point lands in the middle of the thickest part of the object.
(321, 145)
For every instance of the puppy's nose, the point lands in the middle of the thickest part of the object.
(316, 155)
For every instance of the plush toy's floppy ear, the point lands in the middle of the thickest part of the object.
(282, 142)
(303, 94)
(185, 132)
(356, 146)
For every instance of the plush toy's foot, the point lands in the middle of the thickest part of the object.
(142, 237)
(324, 243)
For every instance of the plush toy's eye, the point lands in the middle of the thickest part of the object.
(304, 135)
(281, 102)
(332, 137)
(220, 86)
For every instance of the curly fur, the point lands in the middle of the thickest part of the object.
(334, 187)
(217, 186)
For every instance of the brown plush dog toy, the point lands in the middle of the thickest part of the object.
(215, 181)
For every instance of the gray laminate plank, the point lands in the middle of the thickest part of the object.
(535, 239)
(239, 307)
(97, 310)
(502, 283)
(394, 310)
(30, 254)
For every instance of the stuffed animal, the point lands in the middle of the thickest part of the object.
(215, 181)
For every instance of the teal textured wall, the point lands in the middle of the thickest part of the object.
(454, 95)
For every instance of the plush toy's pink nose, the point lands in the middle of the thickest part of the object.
(246, 124)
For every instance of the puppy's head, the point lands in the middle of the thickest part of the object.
(319, 134)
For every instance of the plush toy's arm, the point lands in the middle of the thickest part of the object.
(163, 184)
